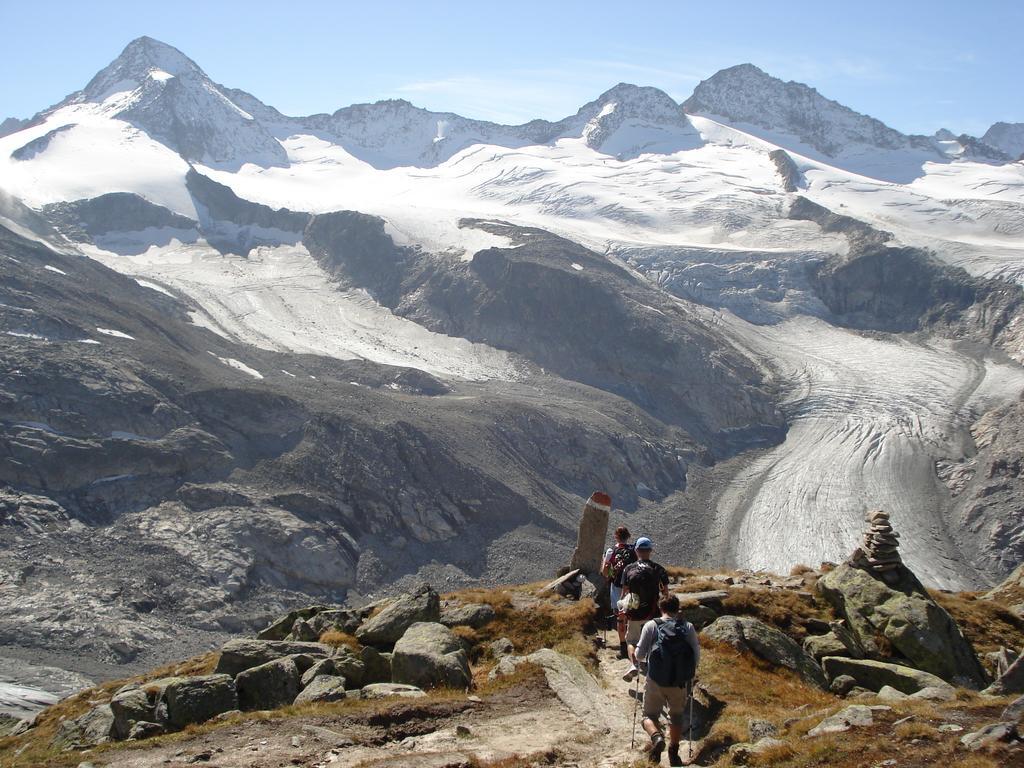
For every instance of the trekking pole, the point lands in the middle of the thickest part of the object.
(636, 703)
(689, 740)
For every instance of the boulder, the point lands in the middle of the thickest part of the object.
(990, 736)
(94, 727)
(945, 693)
(1010, 682)
(130, 704)
(189, 700)
(473, 615)
(906, 616)
(268, 686)
(501, 647)
(376, 666)
(429, 655)
(351, 667)
(387, 627)
(343, 620)
(242, 654)
(888, 693)
(575, 688)
(740, 754)
(280, 628)
(322, 667)
(875, 674)
(759, 729)
(144, 730)
(323, 688)
(387, 690)
(820, 646)
(749, 635)
(506, 666)
(854, 716)
(1014, 712)
(303, 631)
(698, 615)
(842, 685)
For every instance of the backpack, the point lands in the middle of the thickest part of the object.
(620, 557)
(671, 663)
(643, 581)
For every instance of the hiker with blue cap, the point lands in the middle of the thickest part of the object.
(643, 582)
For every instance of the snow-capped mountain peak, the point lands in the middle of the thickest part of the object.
(142, 59)
(746, 94)
(1008, 137)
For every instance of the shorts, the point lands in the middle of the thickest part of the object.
(657, 698)
(633, 631)
(616, 595)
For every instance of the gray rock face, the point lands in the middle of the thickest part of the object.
(854, 716)
(745, 94)
(376, 666)
(323, 688)
(990, 735)
(873, 675)
(268, 686)
(429, 655)
(352, 667)
(387, 690)
(322, 667)
(94, 727)
(752, 636)
(129, 705)
(196, 699)
(473, 615)
(905, 615)
(239, 655)
(1010, 682)
(1007, 137)
(819, 646)
(388, 626)
(591, 535)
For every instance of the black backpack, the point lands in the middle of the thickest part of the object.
(621, 557)
(642, 579)
(671, 663)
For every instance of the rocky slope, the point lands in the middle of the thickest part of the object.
(790, 666)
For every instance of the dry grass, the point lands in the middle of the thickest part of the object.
(987, 624)
(783, 609)
(33, 748)
(336, 638)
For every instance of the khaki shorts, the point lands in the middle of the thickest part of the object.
(633, 631)
(656, 698)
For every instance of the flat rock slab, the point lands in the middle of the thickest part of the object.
(703, 598)
(854, 716)
(576, 688)
(873, 675)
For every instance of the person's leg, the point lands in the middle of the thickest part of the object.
(676, 699)
(654, 701)
(620, 619)
(633, 631)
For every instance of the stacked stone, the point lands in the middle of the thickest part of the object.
(879, 551)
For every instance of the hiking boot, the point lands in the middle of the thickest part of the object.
(630, 674)
(673, 755)
(657, 746)
(623, 651)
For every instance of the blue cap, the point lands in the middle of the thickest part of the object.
(644, 543)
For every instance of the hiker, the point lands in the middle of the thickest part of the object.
(616, 559)
(642, 583)
(669, 650)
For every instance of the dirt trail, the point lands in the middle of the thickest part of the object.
(523, 720)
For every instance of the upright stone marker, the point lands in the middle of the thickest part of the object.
(593, 531)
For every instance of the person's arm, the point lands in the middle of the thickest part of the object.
(647, 636)
(691, 637)
(663, 583)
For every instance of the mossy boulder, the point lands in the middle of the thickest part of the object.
(904, 616)
(747, 634)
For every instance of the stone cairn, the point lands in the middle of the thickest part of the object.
(879, 551)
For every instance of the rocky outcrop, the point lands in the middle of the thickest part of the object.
(907, 618)
(268, 686)
(91, 729)
(874, 675)
(239, 655)
(386, 627)
(429, 655)
(749, 635)
(1011, 681)
(854, 716)
(196, 699)
(475, 615)
(323, 689)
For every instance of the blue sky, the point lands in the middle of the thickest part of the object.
(917, 66)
